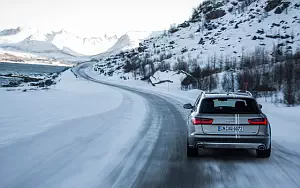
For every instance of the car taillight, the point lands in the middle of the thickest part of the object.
(203, 121)
(258, 121)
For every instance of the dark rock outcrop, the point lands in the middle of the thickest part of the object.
(272, 4)
(281, 8)
(215, 14)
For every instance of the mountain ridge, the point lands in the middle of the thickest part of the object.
(61, 39)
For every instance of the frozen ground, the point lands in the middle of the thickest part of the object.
(85, 134)
(72, 135)
(25, 114)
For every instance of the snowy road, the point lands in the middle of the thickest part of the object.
(139, 143)
(168, 166)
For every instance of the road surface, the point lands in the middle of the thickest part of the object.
(78, 154)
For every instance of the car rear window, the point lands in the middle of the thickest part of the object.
(229, 106)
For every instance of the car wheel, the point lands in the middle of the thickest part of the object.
(263, 153)
(191, 152)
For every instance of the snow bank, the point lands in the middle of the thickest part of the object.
(285, 124)
(24, 114)
(76, 134)
(173, 89)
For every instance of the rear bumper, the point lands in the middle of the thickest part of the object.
(230, 142)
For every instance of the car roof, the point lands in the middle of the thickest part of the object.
(228, 95)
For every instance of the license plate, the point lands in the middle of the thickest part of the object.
(230, 128)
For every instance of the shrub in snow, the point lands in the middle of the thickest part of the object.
(184, 24)
(173, 30)
(183, 50)
(260, 31)
(202, 42)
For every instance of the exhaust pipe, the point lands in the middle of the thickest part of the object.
(261, 147)
(199, 146)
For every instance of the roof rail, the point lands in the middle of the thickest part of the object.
(249, 93)
(246, 92)
(203, 93)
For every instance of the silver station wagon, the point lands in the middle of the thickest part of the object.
(229, 121)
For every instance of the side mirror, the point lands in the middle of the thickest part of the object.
(260, 106)
(188, 106)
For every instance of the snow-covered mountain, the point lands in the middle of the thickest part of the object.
(65, 46)
(132, 40)
(34, 40)
(225, 45)
(128, 41)
(220, 29)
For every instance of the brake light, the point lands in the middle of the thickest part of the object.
(199, 121)
(258, 121)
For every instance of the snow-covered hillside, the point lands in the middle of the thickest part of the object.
(223, 45)
(223, 29)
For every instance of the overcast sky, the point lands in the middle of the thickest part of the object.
(95, 17)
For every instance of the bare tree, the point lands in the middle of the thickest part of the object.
(289, 95)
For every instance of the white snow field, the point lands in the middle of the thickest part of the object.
(28, 113)
(81, 133)
(69, 136)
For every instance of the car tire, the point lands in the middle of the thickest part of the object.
(263, 153)
(191, 152)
